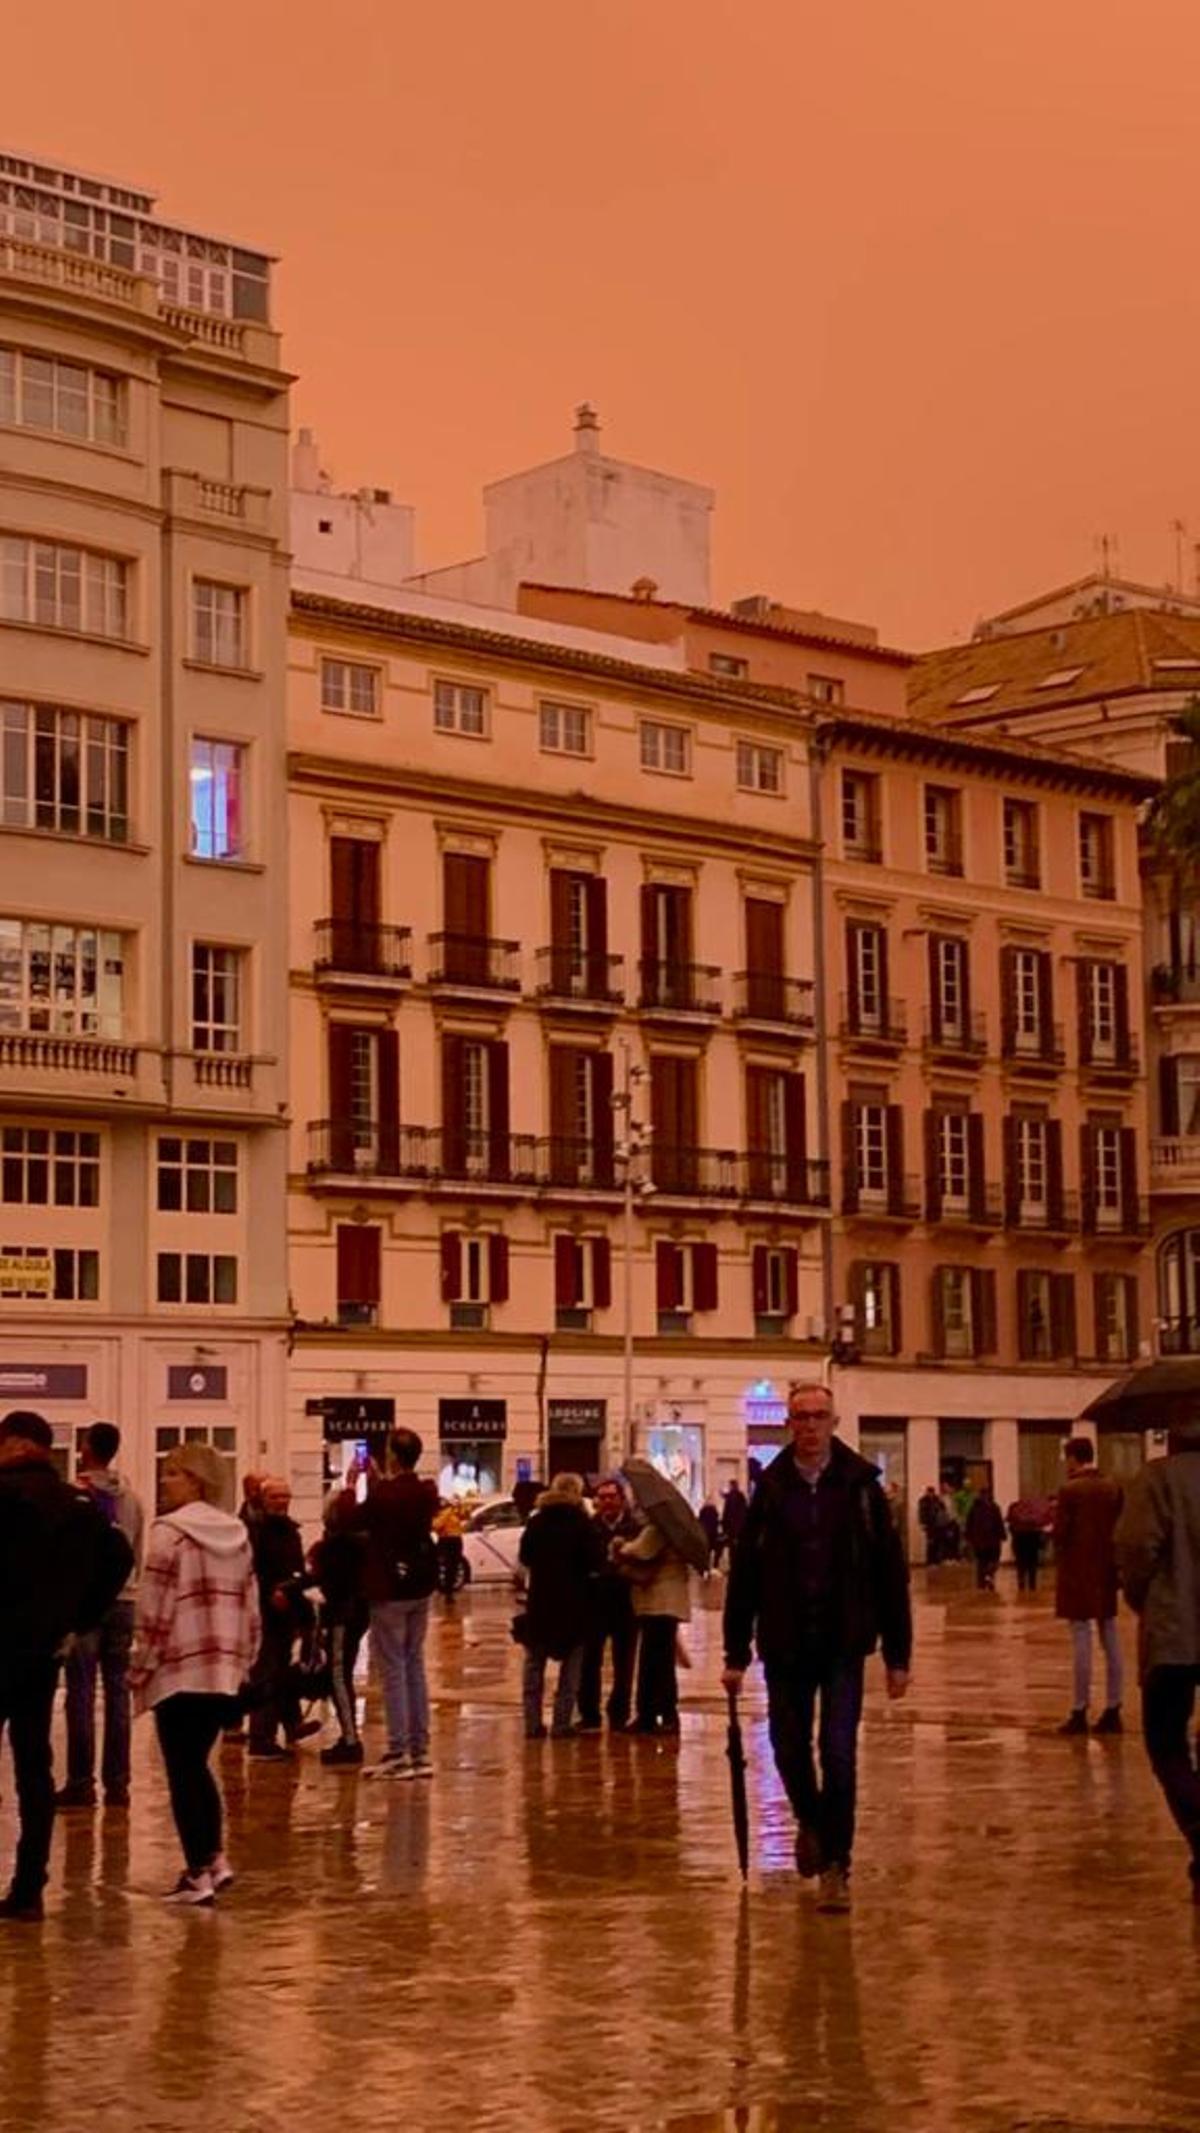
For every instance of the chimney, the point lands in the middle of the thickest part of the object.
(587, 430)
(644, 589)
(306, 463)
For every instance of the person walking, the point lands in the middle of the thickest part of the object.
(400, 1576)
(735, 1506)
(1157, 1545)
(986, 1533)
(1027, 1519)
(105, 1651)
(931, 1517)
(710, 1521)
(338, 1564)
(278, 1553)
(562, 1554)
(1085, 1519)
(661, 1602)
(612, 1617)
(448, 1529)
(62, 1565)
(817, 1581)
(195, 1640)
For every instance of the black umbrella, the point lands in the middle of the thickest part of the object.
(1152, 1397)
(737, 1784)
(667, 1508)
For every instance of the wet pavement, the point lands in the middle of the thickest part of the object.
(552, 1935)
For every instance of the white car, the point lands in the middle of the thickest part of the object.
(491, 1541)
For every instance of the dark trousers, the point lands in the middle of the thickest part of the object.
(449, 1563)
(1168, 1697)
(1027, 1551)
(657, 1687)
(987, 1562)
(792, 1696)
(344, 1641)
(26, 1704)
(104, 1652)
(187, 1732)
(621, 1631)
(276, 1706)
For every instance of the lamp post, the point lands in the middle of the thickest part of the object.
(631, 1148)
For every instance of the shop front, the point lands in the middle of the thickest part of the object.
(60, 1392)
(471, 1436)
(577, 1432)
(883, 1439)
(673, 1441)
(353, 1431)
(764, 1412)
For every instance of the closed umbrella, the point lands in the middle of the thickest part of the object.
(737, 1784)
(1155, 1396)
(667, 1508)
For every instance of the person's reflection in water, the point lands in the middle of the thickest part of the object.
(189, 2044)
(25, 2041)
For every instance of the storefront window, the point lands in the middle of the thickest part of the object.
(470, 1470)
(677, 1450)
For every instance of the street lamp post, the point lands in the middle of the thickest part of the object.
(632, 1142)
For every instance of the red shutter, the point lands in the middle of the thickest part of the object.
(1045, 970)
(597, 920)
(937, 1312)
(451, 1266)
(389, 1100)
(983, 1310)
(1062, 1315)
(454, 1123)
(895, 1317)
(358, 1264)
(651, 989)
(895, 1157)
(935, 989)
(1026, 1345)
(964, 980)
(565, 1151)
(341, 1132)
(1168, 1096)
(497, 1072)
(566, 1272)
(1008, 1000)
(1083, 1007)
(601, 1274)
(498, 1268)
(560, 930)
(976, 1167)
(666, 1270)
(1099, 1295)
(795, 1118)
(758, 1280)
(885, 1005)
(758, 1163)
(1124, 1044)
(602, 1117)
(1131, 1316)
(849, 1159)
(933, 1179)
(704, 1277)
(1129, 1179)
(791, 1276)
(1055, 1197)
(1087, 1175)
(852, 999)
(1012, 1181)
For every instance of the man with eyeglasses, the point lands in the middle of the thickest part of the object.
(818, 1580)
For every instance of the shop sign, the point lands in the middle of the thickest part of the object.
(472, 1421)
(344, 1420)
(27, 1273)
(50, 1381)
(577, 1418)
(186, 1381)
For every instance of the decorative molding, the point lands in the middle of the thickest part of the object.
(573, 858)
(466, 837)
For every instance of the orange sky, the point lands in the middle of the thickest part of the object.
(911, 283)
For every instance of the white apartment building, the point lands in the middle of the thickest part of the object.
(143, 592)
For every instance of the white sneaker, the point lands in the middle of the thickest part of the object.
(220, 1872)
(192, 1888)
(392, 1766)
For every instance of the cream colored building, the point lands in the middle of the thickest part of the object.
(143, 588)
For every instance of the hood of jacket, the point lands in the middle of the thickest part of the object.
(218, 1531)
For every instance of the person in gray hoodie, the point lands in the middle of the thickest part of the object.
(1157, 1543)
(106, 1650)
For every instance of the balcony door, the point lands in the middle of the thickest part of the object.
(354, 903)
(674, 1117)
(364, 1098)
(465, 902)
(578, 935)
(764, 959)
(666, 944)
(581, 1116)
(775, 1133)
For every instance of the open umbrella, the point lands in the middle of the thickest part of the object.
(667, 1508)
(1155, 1396)
(737, 1784)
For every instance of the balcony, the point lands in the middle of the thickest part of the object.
(345, 949)
(24, 260)
(1175, 1163)
(574, 978)
(982, 1209)
(196, 496)
(1034, 1051)
(1114, 1062)
(964, 1040)
(1056, 1217)
(948, 860)
(1126, 1224)
(1171, 985)
(883, 1027)
(577, 1165)
(33, 1052)
(421, 1156)
(470, 962)
(783, 1180)
(679, 988)
(899, 1201)
(768, 998)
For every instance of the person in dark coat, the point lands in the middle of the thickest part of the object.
(1028, 1518)
(613, 1619)
(1158, 1557)
(931, 1517)
(563, 1555)
(735, 1508)
(279, 1568)
(710, 1519)
(986, 1532)
(1085, 1519)
(62, 1566)
(818, 1579)
(338, 1564)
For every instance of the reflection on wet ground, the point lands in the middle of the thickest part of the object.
(552, 1936)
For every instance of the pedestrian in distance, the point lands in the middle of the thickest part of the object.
(62, 1566)
(279, 1566)
(562, 1554)
(1027, 1520)
(448, 1529)
(932, 1519)
(986, 1533)
(337, 1562)
(613, 1622)
(735, 1506)
(1157, 1543)
(250, 1510)
(105, 1650)
(1085, 1519)
(661, 1603)
(195, 1641)
(396, 1516)
(710, 1520)
(817, 1581)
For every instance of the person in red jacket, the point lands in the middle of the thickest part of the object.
(399, 1576)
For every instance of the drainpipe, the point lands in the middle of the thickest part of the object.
(816, 764)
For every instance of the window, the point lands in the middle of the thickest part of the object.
(1179, 1104)
(875, 1296)
(43, 1273)
(950, 1021)
(868, 982)
(218, 777)
(759, 769)
(1045, 1316)
(1107, 1190)
(459, 708)
(351, 687)
(860, 816)
(564, 729)
(1115, 1300)
(197, 1278)
(219, 624)
(775, 1278)
(953, 1172)
(197, 1177)
(64, 771)
(685, 1283)
(216, 998)
(1027, 970)
(943, 830)
(826, 689)
(957, 1316)
(474, 1275)
(581, 1116)
(43, 1167)
(665, 748)
(364, 1093)
(71, 399)
(1096, 863)
(729, 666)
(871, 1153)
(1021, 864)
(1031, 1159)
(1100, 1008)
(358, 1247)
(582, 1280)
(65, 980)
(62, 588)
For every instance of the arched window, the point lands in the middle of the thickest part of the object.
(1179, 1293)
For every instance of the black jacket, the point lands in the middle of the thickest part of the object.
(868, 1602)
(62, 1563)
(564, 1555)
(278, 1553)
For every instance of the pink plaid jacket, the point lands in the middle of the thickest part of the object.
(198, 1625)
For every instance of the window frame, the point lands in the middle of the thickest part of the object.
(190, 1167)
(1102, 888)
(458, 692)
(1025, 815)
(198, 1271)
(94, 375)
(864, 843)
(39, 734)
(211, 1023)
(217, 624)
(330, 661)
(558, 709)
(237, 770)
(63, 1156)
(38, 570)
(749, 758)
(651, 753)
(40, 1012)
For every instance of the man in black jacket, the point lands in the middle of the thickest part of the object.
(62, 1565)
(279, 1567)
(818, 1579)
(613, 1617)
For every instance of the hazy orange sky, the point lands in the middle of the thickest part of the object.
(911, 285)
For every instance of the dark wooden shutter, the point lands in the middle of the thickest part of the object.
(895, 1158)
(651, 989)
(849, 1159)
(1012, 1179)
(895, 1313)
(1008, 1000)
(935, 988)
(1087, 1175)
(796, 1125)
(497, 1268)
(566, 1272)
(341, 1130)
(564, 1148)
(937, 1312)
(454, 1117)
(465, 882)
(1062, 1315)
(764, 957)
(791, 1280)
(885, 1012)
(1099, 1297)
(666, 1274)
(1083, 1006)
(704, 1277)
(560, 930)
(856, 1289)
(1132, 1315)
(853, 1003)
(758, 1280)
(976, 1169)
(964, 985)
(933, 1181)
(601, 1274)
(1129, 1179)
(388, 1042)
(354, 902)
(1026, 1344)
(1055, 1196)
(499, 1163)
(983, 1309)
(1045, 974)
(1121, 1004)
(358, 1264)
(597, 941)
(1168, 1096)
(451, 1252)
(603, 1160)
(758, 1161)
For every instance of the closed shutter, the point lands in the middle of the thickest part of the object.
(976, 1170)
(853, 1002)
(597, 925)
(341, 1130)
(603, 1159)
(895, 1158)
(758, 1137)
(1008, 1000)
(933, 1180)
(895, 1327)
(791, 1280)
(1062, 1315)
(1100, 1317)
(566, 1272)
(1055, 1196)
(601, 1274)
(1012, 1175)
(1087, 1175)
(937, 1311)
(935, 988)
(1121, 1015)
(1026, 1345)
(498, 1268)
(983, 1310)
(451, 1253)
(1045, 973)
(758, 1280)
(1129, 1180)
(358, 1264)
(389, 1101)
(454, 1115)
(564, 1148)
(796, 1122)
(499, 1165)
(465, 882)
(1132, 1316)
(964, 983)
(1168, 1096)
(1083, 1005)
(666, 1273)
(856, 1297)
(849, 1159)
(354, 902)
(764, 958)
(560, 931)
(650, 956)
(885, 1010)
(704, 1277)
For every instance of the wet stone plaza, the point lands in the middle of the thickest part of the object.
(553, 1935)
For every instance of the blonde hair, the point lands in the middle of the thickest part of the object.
(206, 1467)
(565, 1488)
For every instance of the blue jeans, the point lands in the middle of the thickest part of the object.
(1081, 1641)
(566, 1690)
(792, 1692)
(104, 1651)
(398, 1636)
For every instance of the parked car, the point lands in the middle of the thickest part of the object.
(491, 1542)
